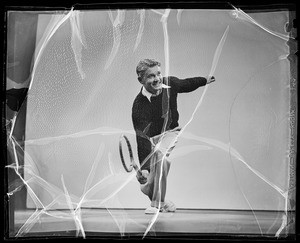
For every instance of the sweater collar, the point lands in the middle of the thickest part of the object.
(147, 94)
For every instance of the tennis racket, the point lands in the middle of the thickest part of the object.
(127, 160)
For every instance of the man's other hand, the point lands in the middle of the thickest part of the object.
(142, 176)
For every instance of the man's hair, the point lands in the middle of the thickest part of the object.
(143, 65)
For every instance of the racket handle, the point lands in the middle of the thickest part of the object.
(136, 168)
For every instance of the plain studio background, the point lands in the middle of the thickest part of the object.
(80, 103)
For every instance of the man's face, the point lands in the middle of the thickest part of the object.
(152, 80)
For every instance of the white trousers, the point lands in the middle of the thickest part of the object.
(156, 185)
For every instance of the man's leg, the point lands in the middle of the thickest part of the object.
(161, 169)
(156, 185)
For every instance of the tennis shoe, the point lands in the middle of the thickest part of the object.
(169, 207)
(152, 210)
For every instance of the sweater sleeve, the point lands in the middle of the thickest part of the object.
(141, 125)
(188, 84)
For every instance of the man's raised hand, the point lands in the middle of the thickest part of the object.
(210, 79)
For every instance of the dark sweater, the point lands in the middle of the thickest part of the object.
(161, 114)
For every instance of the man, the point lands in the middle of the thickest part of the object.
(155, 120)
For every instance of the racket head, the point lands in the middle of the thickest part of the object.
(127, 160)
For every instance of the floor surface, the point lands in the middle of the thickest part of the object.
(133, 222)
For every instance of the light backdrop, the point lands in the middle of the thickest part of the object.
(233, 154)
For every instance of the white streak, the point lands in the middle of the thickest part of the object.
(164, 19)
(212, 70)
(240, 14)
(52, 31)
(218, 52)
(141, 28)
(75, 213)
(77, 40)
(179, 11)
(117, 23)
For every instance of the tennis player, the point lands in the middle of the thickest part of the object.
(155, 120)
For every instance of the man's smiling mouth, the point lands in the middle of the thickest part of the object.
(156, 84)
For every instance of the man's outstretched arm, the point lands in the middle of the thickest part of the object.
(190, 84)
